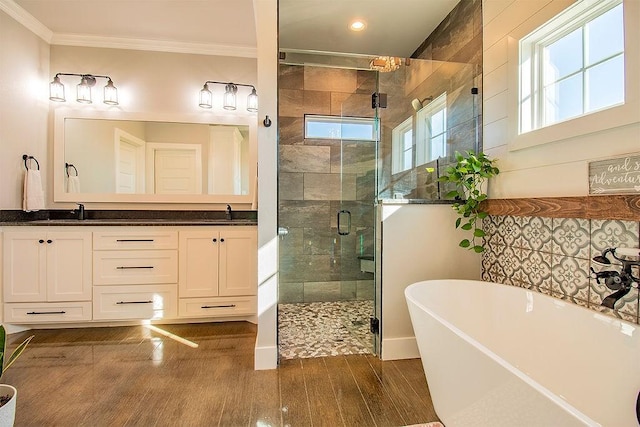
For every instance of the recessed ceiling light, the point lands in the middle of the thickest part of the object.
(357, 25)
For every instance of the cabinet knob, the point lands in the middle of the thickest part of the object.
(49, 241)
(222, 240)
(40, 241)
(215, 240)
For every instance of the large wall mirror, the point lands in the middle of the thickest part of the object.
(122, 157)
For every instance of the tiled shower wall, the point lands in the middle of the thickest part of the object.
(317, 264)
(554, 255)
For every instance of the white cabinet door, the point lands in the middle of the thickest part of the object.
(69, 266)
(42, 266)
(238, 261)
(198, 271)
(25, 276)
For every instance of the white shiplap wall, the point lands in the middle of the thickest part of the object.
(558, 168)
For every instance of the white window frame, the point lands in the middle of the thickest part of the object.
(532, 66)
(315, 118)
(397, 146)
(621, 115)
(424, 148)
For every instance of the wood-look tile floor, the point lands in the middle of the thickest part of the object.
(136, 376)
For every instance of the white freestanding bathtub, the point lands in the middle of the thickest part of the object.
(497, 355)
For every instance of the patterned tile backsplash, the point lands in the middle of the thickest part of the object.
(554, 256)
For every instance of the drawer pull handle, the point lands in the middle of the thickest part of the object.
(219, 306)
(134, 240)
(124, 267)
(46, 312)
(134, 302)
(40, 241)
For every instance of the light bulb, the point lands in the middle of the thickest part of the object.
(56, 90)
(205, 97)
(110, 94)
(84, 91)
(229, 98)
(252, 101)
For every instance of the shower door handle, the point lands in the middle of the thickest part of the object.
(342, 230)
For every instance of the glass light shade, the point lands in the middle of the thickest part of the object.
(252, 101)
(56, 90)
(229, 98)
(84, 92)
(110, 94)
(205, 97)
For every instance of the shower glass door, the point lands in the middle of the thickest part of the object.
(355, 212)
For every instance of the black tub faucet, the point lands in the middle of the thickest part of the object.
(619, 281)
(228, 213)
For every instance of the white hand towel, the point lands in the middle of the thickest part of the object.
(73, 184)
(33, 198)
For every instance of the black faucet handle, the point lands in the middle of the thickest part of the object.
(606, 275)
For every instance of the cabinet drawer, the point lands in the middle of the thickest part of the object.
(217, 307)
(47, 312)
(158, 238)
(135, 267)
(135, 302)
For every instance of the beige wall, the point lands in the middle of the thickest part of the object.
(151, 83)
(24, 106)
(558, 168)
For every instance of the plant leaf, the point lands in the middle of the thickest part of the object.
(478, 249)
(478, 233)
(17, 352)
(465, 243)
(467, 226)
(458, 221)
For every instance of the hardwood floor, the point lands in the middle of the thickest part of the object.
(136, 376)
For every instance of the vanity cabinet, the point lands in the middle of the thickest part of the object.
(135, 273)
(217, 271)
(110, 273)
(47, 275)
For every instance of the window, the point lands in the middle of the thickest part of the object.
(402, 146)
(336, 127)
(431, 131)
(573, 65)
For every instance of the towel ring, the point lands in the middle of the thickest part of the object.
(26, 158)
(69, 165)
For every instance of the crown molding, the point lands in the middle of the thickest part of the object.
(153, 45)
(12, 9)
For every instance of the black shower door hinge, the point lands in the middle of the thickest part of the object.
(378, 100)
(374, 325)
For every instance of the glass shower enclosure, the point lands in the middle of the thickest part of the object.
(338, 159)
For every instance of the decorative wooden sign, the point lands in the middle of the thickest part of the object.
(615, 176)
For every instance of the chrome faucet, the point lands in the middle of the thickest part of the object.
(619, 281)
(228, 214)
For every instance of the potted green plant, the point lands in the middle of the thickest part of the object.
(470, 174)
(8, 394)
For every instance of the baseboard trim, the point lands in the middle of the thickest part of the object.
(266, 358)
(400, 348)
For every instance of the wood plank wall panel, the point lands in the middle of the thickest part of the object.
(618, 207)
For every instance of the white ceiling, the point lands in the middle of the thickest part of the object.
(394, 27)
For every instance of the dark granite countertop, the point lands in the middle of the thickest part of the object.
(126, 218)
(415, 202)
(124, 222)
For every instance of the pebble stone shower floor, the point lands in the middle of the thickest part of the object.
(321, 329)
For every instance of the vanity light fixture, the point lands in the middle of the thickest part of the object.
(229, 97)
(83, 89)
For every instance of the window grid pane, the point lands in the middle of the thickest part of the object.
(580, 66)
(604, 36)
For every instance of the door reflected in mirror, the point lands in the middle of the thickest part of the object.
(107, 156)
